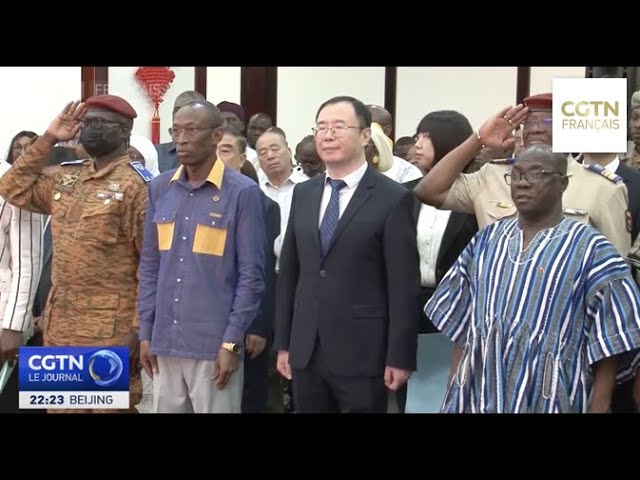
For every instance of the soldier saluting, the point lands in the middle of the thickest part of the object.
(97, 208)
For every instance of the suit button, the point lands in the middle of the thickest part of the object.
(323, 273)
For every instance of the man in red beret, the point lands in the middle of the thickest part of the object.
(97, 207)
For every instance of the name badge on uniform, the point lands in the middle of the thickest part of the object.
(118, 196)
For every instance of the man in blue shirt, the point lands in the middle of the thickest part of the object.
(201, 272)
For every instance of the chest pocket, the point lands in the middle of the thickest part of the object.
(101, 223)
(499, 210)
(165, 223)
(578, 214)
(211, 234)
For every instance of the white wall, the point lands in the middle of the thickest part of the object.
(32, 96)
(476, 92)
(301, 90)
(123, 82)
(223, 83)
(541, 80)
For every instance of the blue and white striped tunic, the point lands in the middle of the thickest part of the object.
(532, 323)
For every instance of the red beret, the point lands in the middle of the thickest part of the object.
(232, 108)
(112, 103)
(543, 101)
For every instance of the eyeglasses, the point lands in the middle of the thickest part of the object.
(542, 122)
(189, 132)
(531, 176)
(338, 131)
(96, 122)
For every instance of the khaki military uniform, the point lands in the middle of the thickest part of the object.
(590, 197)
(97, 222)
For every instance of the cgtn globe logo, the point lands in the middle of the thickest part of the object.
(105, 367)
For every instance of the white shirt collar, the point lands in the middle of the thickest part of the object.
(352, 179)
(613, 165)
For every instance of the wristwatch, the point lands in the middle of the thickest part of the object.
(232, 347)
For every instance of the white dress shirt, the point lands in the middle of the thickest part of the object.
(282, 195)
(402, 171)
(432, 224)
(352, 180)
(20, 263)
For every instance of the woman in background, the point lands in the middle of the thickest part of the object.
(441, 235)
(18, 145)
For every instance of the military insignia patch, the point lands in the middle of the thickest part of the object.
(600, 170)
(66, 182)
(146, 175)
(627, 216)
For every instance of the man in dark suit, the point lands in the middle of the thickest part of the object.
(347, 293)
(167, 151)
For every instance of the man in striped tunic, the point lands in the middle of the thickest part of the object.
(540, 307)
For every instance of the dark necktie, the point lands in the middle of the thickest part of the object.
(331, 215)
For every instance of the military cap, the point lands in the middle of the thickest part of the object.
(112, 103)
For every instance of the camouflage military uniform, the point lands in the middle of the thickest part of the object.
(97, 222)
(633, 156)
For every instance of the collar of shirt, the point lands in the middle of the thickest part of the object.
(613, 165)
(215, 175)
(297, 176)
(610, 167)
(103, 172)
(352, 179)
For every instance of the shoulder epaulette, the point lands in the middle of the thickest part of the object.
(146, 175)
(503, 161)
(72, 162)
(600, 170)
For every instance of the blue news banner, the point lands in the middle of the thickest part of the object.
(74, 377)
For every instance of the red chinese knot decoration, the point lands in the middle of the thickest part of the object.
(156, 81)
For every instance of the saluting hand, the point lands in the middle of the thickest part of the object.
(496, 131)
(66, 125)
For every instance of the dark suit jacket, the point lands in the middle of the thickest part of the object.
(361, 298)
(263, 324)
(631, 178)
(460, 230)
(166, 156)
(44, 285)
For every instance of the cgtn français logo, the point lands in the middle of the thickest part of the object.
(589, 115)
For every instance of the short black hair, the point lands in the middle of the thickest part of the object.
(242, 141)
(447, 129)
(547, 155)
(213, 112)
(362, 112)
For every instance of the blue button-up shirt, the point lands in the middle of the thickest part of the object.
(202, 264)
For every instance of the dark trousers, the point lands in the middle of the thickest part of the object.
(623, 398)
(317, 390)
(255, 389)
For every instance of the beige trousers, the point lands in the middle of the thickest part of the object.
(184, 385)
